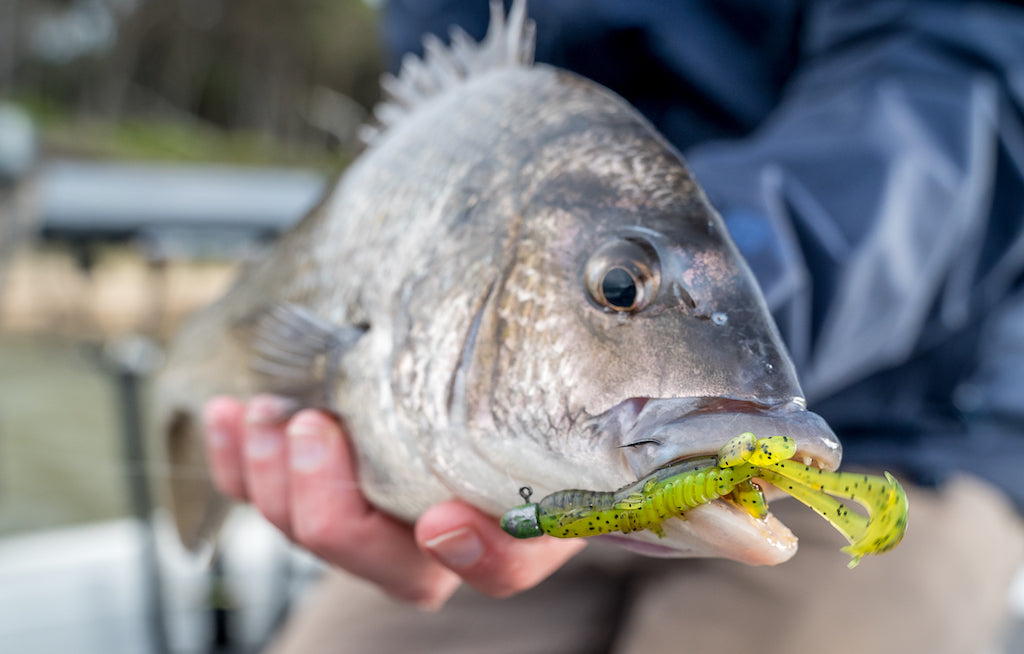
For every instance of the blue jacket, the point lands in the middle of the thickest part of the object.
(868, 158)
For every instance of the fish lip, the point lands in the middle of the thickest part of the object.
(717, 529)
(655, 433)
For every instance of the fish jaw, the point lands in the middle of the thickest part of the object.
(657, 432)
(717, 529)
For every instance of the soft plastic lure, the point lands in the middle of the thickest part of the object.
(673, 490)
(667, 492)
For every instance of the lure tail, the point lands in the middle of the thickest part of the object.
(883, 497)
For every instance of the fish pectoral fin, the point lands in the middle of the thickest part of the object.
(296, 353)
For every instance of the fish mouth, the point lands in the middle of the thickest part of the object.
(655, 433)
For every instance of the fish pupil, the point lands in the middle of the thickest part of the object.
(619, 288)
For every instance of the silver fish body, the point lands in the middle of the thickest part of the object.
(518, 283)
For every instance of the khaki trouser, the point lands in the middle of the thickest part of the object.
(944, 589)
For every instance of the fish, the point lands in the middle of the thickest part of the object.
(517, 283)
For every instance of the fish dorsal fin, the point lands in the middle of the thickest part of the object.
(509, 42)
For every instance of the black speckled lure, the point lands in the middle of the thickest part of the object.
(673, 490)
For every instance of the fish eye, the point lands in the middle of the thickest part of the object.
(622, 275)
(619, 289)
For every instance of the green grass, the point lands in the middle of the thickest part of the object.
(163, 140)
(149, 140)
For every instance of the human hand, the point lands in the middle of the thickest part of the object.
(300, 472)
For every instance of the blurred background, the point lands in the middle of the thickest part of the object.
(147, 149)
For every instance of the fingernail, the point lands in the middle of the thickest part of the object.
(457, 549)
(307, 445)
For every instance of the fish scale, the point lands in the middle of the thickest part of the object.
(530, 303)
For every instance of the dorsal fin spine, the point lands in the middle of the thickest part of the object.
(509, 42)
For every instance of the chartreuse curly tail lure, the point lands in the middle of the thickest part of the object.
(673, 490)
(886, 501)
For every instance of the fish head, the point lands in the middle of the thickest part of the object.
(631, 334)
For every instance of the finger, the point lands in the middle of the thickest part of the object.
(331, 518)
(472, 544)
(266, 458)
(223, 422)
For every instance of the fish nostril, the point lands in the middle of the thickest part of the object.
(683, 296)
